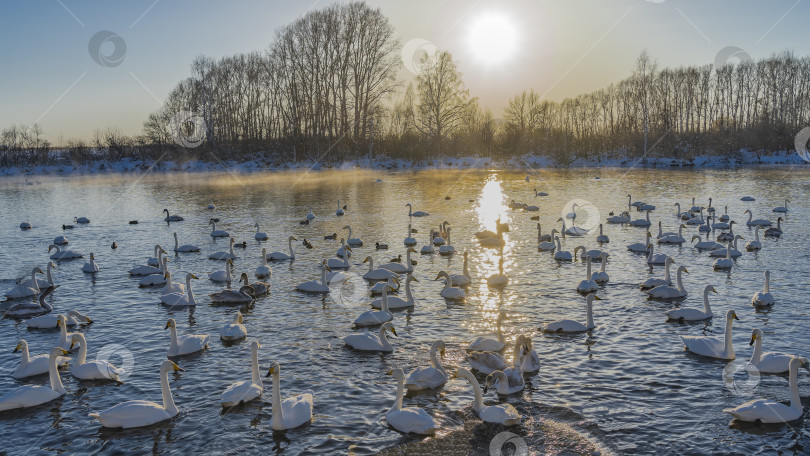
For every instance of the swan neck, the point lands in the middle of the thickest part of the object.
(729, 347)
(256, 377)
(384, 340)
(289, 244)
(589, 268)
(48, 273)
(466, 269)
(82, 351)
(478, 404)
(755, 357)
(191, 300)
(384, 301)
(767, 288)
(166, 392)
(173, 345)
(795, 400)
(25, 356)
(34, 283)
(408, 294)
(589, 314)
(680, 282)
(53, 374)
(176, 244)
(400, 391)
(278, 419)
(706, 307)
(436, 363)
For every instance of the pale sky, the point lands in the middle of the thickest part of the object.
(559, 48)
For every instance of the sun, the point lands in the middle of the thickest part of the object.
(492, 38)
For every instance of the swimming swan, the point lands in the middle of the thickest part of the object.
(710, 346)
(245, 391)
(369, 342)
(571, 326)
(769, 411)
(92, 370)
(504, 414)
(293, 411)
(429, 377)
(694, 314)
(33, 395)
(187, 344)
(408, 419)
(181, 299)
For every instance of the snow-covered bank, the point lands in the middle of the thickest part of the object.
(263, 162)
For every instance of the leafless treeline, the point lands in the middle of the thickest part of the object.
(328, 88)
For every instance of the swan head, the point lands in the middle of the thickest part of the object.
(695, 236)
(462, 372)
(60, 321)
(21, 345)
(389, 326)
(76, 339)
(368, 258)
(491, 378)
(442, 274)
(346, 227)
(190, 276)
(709, 288)
(39, 271)
(170, 366)
(237, 319)
(747, 211)
(732, 315)
(274, 369)
(411, 249)
(57, 351)
(170, 324)
(438, 346)
(560, 219)
(79, 316)
(754, 334)
(591, 297)
(683, 269)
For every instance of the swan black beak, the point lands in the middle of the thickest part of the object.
(167, 325)
(394, 331)
(753, 338)
(16, 349)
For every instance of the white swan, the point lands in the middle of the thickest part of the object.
(222, 255)
(655, 258)
(339, 210)
(395, 302)
(152, 267)
(415, 213)
(698, 220)
(408, 419)
(409, 240)
(245, 391)
(314, 286)
(641, 247)
(705, 245)
(755, 222)
(63, 254)
(225, 275)
(601, 277)
(694, 314)
(601, 238)
(310, 215)
(180, 299)
(50, 321)
(234, 330)
(723, 252)
(64, 336)
(343, 250)
(429, 377)
(401, 268)
(504, 414)
(24, 291)
(447, 249)
(376, 274)
(571, 326)
(487, 362)
(775, 230)
(510, 380)
(260, 235)
(392, 283)
(725, 237)
(293, 411)
(376, 317)
(588, 285)
(245, 295)
(561, 255)
(755, 244)
(33, 395)
(263, 270)
(572, 231)
(710, 346)
(499, 279)
(529, 360)
(342, 263)
(654, 282)
(187, 344)
(155, 260)
(725, 217)
(769, 411)
(770, 362)
(139, 413)
(642, 222)
(211, 205)
(278, 256)
(33, 365)
(486, 344)
(215, 232)
(153, 280)
(42, 283)
(549, 244)
(464, 278)
(672, 238)
(60, 240)
(782, 208)
(624, 217)
(724, 263)
(91, 266)
(92, 370)
(369, 342)
(172, 287)
(595, 254)
(540, 236)
(184, 247)
(354, 242)
(668, 291)
(450, 292)
(764, 298)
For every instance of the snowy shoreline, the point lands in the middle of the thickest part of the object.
(528, 161)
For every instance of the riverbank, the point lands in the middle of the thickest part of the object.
(262, 162)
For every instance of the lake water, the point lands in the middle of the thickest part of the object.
(625, 387)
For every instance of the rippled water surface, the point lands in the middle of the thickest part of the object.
(625, 387)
